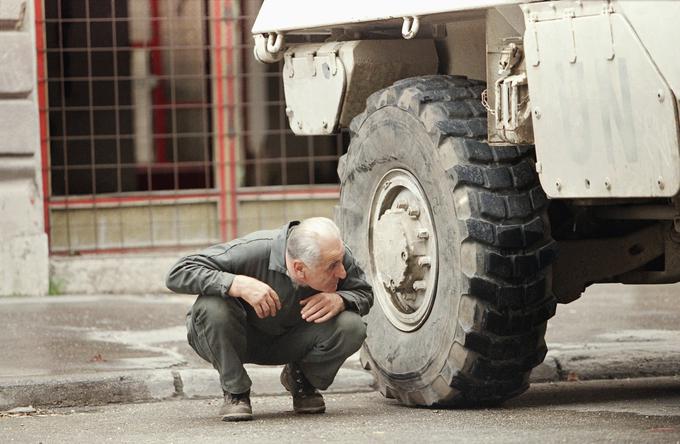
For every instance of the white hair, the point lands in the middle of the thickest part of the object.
(304, 239)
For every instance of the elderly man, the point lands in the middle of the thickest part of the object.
(292, 296)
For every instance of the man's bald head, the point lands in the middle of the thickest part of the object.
(306, 240)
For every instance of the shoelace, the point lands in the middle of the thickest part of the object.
(237, 399)
(303, 386)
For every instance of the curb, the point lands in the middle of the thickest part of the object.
(150, 385)
(563, 363)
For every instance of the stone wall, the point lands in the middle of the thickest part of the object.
(23, 242)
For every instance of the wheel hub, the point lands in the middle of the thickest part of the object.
(403, 249)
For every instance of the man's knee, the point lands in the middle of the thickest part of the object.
(218, 313)
(352, 328)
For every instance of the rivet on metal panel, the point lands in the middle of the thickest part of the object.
(299, 124)
(539, 167)
(587, 182)
(660, 183)
(558, 185)
(660, 95)
(324, 124)
(537, 112)
(607, 183)
(289, 112)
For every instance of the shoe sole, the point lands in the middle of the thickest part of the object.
(311, 410)
(237, 417)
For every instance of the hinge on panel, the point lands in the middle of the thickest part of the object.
(607, 10)
(531, 27)
(569, 15)
(288, 64)
(333, 65)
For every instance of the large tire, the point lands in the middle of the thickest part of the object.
(462, 304)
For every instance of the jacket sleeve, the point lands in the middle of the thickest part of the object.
(354, 289)
(208, 272)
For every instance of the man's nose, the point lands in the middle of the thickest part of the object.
(341, 273)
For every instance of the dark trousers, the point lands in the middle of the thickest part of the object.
(218, 331)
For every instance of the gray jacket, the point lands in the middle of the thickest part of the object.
(261, 255)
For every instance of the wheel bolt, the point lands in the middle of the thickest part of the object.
(402, 204)
(414, 212)
(423, 234)
(420, 286)
(424, 261)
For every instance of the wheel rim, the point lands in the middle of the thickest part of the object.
(403, 249)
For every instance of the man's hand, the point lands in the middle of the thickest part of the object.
(259, 295)
(321, 307)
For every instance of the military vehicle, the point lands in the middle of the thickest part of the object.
(504, 155)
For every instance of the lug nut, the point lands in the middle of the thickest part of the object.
(420, 286)
(414, 213)
(423, 234)
(402, 204)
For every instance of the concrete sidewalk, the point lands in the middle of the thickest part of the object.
(89, 350)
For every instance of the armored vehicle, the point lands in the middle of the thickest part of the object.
(504, 155)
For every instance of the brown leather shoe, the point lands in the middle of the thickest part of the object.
(306, 398)
(236, 407)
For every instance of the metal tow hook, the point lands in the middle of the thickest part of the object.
(269, 49)
(410, 27)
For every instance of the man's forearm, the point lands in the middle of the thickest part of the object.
(197, 275)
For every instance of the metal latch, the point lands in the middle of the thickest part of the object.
(511, 107)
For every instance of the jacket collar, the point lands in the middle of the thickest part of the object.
(277, 257)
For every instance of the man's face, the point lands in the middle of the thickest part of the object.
(325, 275)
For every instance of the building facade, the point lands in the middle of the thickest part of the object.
(131, 128)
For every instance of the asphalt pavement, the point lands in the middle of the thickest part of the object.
(100, 349)
(610, 411)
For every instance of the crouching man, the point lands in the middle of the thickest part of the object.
(292, 296)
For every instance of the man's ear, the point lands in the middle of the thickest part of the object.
(299, 269)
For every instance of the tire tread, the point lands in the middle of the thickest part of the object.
(502, 339)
